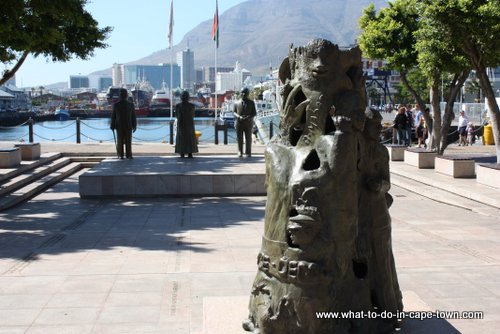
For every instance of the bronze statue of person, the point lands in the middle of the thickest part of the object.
(124, 122)
(374, 245)
(244, 112)
(185, 142)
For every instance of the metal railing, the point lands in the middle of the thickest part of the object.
(81, 126)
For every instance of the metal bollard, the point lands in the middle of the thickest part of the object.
(171, 132)
(216, 134)
(30, 130)
(78, 137)
(225, 133)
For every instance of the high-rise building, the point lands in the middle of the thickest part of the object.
(129, 75)
(232, 80)
(209, 72)
(117, 75)
(100, 82)
(104, 83)
(185, 60)
(78, 81)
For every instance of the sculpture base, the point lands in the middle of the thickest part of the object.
(225, 315)
(174, 176)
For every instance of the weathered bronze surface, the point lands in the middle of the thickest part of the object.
(327, 238)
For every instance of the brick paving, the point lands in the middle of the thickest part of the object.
(69, 265)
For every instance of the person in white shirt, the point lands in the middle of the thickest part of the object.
(462, 125)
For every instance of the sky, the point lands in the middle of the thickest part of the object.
(139, 29)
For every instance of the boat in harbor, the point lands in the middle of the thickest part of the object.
(226, 115)
(62, 114)
(267, 116)
(161, 98)
(142, 95)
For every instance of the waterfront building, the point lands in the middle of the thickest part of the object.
(117, 75)
(78, 81)
(100, 82)
(13, 98)
(232, 80)
(129, 75)
(185, 60)
(209, 72)
(5, 101)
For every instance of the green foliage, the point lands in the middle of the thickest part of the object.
(472, 26)
(389, 34)
(418, 82)
(56, 29)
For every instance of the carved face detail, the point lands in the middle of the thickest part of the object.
(305, 221)
(317, 76)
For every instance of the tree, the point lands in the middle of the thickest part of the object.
(473, 27)
(400, 35)
(56, 29)
(438, 58)
(389, 35)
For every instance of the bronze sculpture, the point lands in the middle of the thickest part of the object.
(326, 244)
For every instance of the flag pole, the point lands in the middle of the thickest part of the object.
(171, 82)
(215, 36)
(215, 112)
(171, 46)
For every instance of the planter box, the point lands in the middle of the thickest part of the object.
(10, 157)
(455, 167)
(29, 151)
(420, 158)
(396, 152)
(488, 174)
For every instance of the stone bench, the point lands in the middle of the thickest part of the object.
(10, 157)
(488, 174)
(420, 158)
(396, 152)
(455, 166)
(29, 151)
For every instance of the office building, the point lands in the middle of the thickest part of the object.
(78, 81)
(209, 72)
(185, 60)
(129, 75)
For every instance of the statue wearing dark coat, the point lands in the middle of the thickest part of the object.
(244, 112)
(124, 122)
(185, 142)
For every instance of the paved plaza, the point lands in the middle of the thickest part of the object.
(186, 265)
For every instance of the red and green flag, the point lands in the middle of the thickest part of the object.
(215, 25)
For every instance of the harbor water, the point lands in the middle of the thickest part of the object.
(151, 129)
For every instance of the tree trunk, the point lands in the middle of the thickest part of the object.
(421, 106)
(435, 137)
(10, 73)
(494, 112)
(449, 115)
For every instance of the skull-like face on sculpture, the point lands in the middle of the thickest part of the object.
(321, 81)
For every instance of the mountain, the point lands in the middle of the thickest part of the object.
(258, 33)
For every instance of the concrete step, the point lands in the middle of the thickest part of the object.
(32, 189)
(31, 175)
(465, 187)
(446, 196)
(9, 173)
